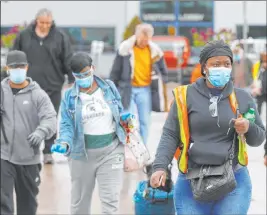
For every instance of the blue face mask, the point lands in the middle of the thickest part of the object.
(236, 58)
(84, 82)
(219, 76)
(18, 75)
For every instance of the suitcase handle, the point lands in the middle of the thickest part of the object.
(154, 201)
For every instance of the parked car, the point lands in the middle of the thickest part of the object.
(176, 54)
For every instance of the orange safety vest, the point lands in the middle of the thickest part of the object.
(181, 154)
(255, 70)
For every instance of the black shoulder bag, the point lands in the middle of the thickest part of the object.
(212, 183)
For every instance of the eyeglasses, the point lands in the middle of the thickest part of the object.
(213, 108)
(82, 75)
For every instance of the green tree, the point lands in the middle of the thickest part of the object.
(130, 29)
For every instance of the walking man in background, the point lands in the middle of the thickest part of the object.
(242, 70)
(48, 51)
(27, 118)
(259, 89)
(137, 60)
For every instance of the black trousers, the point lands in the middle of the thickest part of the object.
(25, 180)
(55, 98)
(260, 100)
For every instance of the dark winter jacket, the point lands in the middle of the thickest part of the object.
(48, 57)
(208, 134)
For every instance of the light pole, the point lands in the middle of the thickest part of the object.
(245, 27)
(125, 13)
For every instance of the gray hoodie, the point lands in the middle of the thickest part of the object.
(30, 110)
(208, 136)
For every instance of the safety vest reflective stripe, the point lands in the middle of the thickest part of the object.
(255, 70)
(242, 145)
(180, 96)
(181, 153)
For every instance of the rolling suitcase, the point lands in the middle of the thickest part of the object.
(148, 200)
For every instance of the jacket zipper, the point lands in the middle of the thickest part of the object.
(13, 136)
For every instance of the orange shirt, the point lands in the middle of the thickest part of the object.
(196, 73)
(142, 67)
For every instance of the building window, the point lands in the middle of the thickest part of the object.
(254, 31)
(157, 11)
(195, 11)
(82, 37)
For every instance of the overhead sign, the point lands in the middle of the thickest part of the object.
(158, 17)
(195, 11)
(157, 11)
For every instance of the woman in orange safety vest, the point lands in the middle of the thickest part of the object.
(199, 125)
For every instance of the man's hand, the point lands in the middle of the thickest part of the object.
(35, 139)
(265, 160)
(158, 179)
(241, 125)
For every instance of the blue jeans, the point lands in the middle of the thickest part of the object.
(141, 99)
(236, 202)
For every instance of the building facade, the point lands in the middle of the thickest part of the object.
(85, 21)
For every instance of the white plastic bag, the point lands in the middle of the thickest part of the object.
(130, 162)
(136, 153)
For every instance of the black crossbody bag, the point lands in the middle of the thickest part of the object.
(212, 183)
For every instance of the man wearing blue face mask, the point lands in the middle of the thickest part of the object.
(241, 70)
(27, 118)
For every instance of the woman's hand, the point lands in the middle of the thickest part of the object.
(61, 148)
(241, 125)
(265, 160)
(158, 179)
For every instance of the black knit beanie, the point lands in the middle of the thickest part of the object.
(212, 49)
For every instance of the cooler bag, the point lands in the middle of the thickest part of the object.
(148, 201)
